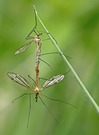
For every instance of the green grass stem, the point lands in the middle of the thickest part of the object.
(69, 65)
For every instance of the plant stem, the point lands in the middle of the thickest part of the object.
(69, 65)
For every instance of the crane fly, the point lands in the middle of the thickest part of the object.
(38, 43)
(35, 39)
(22, 81)
(36, 91)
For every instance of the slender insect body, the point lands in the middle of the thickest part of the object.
(37, 40)
(36, 97)
(38, 51)
(36, 91)
(37, 76)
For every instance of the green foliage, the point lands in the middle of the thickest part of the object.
(75, 26)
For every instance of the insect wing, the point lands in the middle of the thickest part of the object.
(18, 79)
(53, 80)
(23, 48)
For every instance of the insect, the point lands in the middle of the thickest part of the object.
(35, 39)
(22, 81)
(36, 91)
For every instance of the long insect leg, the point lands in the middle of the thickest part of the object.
(34, 29)
(20, 96)
(31, 78)
(33, 84)
(29, 109)
(58, 100)
(45, 62)
(49, 53)
(48, 109)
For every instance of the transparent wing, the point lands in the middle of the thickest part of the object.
(23, 48)
(18, 79)
(54, 80)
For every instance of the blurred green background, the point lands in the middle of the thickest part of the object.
(75, 26)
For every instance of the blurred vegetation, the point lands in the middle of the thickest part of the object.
(75, 26)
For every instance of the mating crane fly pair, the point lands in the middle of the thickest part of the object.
(21, 80)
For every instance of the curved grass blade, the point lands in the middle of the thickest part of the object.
(69, 65)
